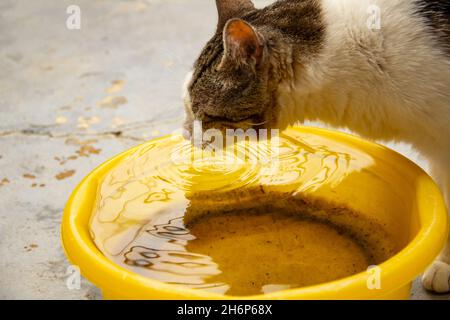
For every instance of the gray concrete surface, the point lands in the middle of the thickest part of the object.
(69, 100)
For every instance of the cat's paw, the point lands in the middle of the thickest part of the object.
(437, 277)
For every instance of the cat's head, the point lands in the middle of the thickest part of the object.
(230, 86)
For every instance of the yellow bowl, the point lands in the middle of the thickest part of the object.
(420, 224)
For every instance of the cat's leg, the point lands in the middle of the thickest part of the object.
(437, 276)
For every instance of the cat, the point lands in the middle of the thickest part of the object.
(333, 61)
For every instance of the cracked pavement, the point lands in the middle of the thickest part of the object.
(71, 99)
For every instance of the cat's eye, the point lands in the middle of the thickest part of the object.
(246, 90)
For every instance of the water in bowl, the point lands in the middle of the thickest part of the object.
(242, 223)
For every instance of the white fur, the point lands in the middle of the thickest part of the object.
(189, 116)
(387, 84)
(408, 98)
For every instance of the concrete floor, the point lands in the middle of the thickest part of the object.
(69, 100)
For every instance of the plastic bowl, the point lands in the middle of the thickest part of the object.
(420, 223)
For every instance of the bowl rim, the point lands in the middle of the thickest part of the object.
(413, 259)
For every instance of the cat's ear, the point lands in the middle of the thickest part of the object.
(243, 45)
(228, 9)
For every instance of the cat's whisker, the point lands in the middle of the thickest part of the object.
(256, 124)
